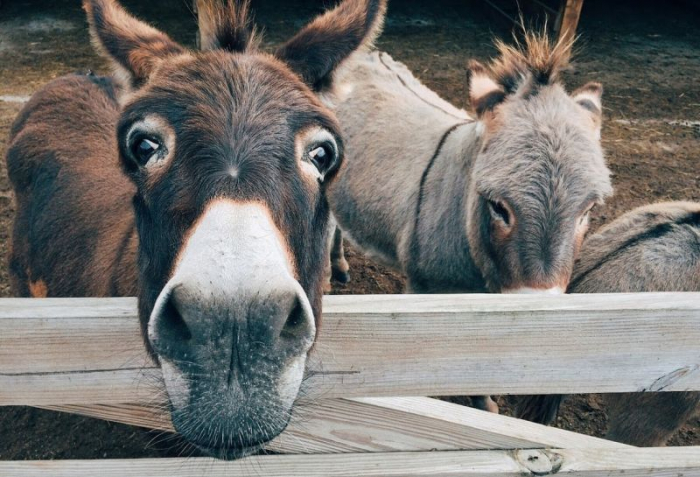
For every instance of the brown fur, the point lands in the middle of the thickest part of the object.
(136, 48)
(193, 182)
(365, 19)
(42, 154)
(226, 25)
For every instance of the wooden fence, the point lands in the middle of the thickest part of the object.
(374, 355)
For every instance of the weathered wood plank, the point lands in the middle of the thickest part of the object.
(384, 425)
(569, 15)
(659, 462)
(399, 345)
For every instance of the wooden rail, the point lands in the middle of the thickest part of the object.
(384, 425)
(89, 351)
(86, 356)
(660, 462)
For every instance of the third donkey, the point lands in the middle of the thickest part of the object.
(655, 248)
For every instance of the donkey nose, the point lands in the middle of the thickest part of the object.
(187, 317)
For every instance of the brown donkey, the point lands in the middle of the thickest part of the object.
(201, 188)
(499, 203)
(652, 248)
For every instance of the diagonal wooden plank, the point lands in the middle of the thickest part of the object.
(659, 462)
(402, 345)
(384, 425)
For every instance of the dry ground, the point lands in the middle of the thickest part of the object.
(647, 54)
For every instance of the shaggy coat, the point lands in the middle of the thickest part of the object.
(498, 202)
(655, 248)
(197, 181)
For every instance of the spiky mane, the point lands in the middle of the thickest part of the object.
(535, 58)
(226, 25)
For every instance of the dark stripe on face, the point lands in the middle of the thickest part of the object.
(658, 231)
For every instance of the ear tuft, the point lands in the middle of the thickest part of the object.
(320, 47)
(134, 47)
(226, 25)
(484, 92)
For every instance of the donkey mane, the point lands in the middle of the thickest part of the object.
(227, 25)
(535, 58)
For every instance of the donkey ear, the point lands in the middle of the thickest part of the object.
(317, 50)
(133, 46)
(484, 92)
(589, 97)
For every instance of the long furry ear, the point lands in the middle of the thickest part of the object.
(590, 98)
(134, 47)
(226, 25)
(484, 92)
(317, 50)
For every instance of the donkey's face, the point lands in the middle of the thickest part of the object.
(539, 172)
(231, 152)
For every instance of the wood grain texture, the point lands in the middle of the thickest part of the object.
(569, 18)
(82, 352)
(384, 425)
(659, 462)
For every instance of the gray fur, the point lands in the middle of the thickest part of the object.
(540, 152)
(652, 248)
(645, 250)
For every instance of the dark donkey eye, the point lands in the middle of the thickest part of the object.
(323, 156)
(499, 211)
(144, 148)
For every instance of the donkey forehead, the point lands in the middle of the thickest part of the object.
(216, 87)
(543, 144)
(548, 111)
(544, 174)
(549, 126)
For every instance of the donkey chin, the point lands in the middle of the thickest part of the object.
(232, 420)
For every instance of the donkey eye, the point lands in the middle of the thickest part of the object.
(323, 157)
(499, 211)
(144, 148)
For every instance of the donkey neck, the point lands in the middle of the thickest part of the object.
(440, 258)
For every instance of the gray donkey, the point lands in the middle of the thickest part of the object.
(652, 248)
(499, 203)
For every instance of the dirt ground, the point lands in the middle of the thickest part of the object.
(647, 55)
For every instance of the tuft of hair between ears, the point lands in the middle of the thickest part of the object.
(226, 25)
(534, 58)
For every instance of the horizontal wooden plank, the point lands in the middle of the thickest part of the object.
(392, 345)
(659, 462)
(384, 425)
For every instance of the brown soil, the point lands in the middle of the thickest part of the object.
(647, 54)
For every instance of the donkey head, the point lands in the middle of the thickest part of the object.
(539, 171)
(231, 152)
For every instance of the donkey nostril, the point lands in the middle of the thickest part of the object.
(296, 325)
(173, 324)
